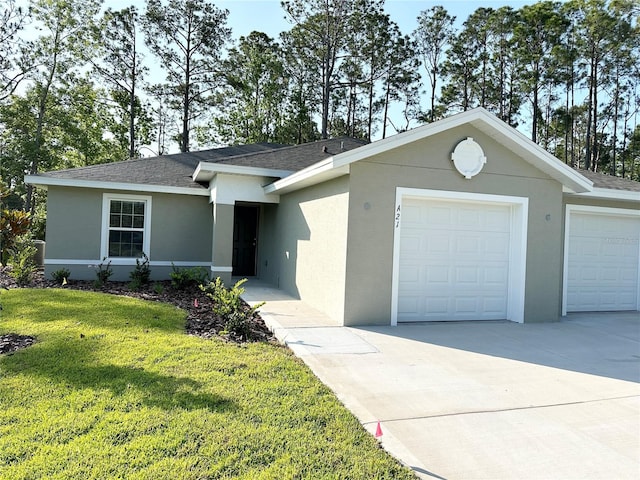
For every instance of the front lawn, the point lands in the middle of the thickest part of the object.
(114, 388)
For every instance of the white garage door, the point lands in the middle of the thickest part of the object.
(453, 261)
(602, 262)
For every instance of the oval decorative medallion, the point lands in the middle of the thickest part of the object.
(468, 158)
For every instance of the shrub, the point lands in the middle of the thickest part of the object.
(184, 278)
(228, 305)
(141, 274)
(61, 276)
(13, 224)
(103, 273)
(21, 260)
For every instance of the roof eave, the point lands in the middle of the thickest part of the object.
(205, 171)
(44, 182)
(609, 194)
(321, 171)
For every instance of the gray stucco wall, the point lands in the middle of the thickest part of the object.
(181, 231)
(598, 202)
(222, 242)
(427, 164)
(303, 242)
(268, 254)
(74, 220)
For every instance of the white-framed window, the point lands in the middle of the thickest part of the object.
(126, 222)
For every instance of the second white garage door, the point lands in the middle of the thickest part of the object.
(602, 259)
(453, 261)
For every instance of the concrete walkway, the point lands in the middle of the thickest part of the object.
(482, 400)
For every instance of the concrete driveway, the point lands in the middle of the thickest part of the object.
(483, 400)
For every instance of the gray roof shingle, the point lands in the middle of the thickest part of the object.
(175, 170)
(601, 180)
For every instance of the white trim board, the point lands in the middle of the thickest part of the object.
(610, 194)
(124, 262)
(205, 171)
(44, 181)
(588, 209)
(517, 250)
(221, 269)
(104, 233)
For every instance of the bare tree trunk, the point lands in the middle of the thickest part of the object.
(587, 156)
(132, 107)
(30, 204)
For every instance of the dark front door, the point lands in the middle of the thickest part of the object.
(245, 239)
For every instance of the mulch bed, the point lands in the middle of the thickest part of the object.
(12, 341)
(201, 321)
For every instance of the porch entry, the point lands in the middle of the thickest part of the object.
(245, 240)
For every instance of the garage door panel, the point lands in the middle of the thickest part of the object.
(589, 247)
(438, 244)
(410, 275)
(602, 261)
(411, 243)
(438, 275)
(469, 218)
(494, 305)
(468, 245)
(628, 275)
(463, 260)
(467, 276)
(498, 220)
(466, 305)
(438, 216)
(611, 274)
(411, 215)
(496, 244)
(408, 306)
(436, 306)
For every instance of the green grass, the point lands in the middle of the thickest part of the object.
(113, 388)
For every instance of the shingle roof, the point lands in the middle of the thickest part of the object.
(175, 170)
(601, 180)
(295, 157)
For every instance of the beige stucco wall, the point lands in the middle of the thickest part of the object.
(303, 245)
(181, 230)
(427, 164)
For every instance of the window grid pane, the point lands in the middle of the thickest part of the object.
(126, 228)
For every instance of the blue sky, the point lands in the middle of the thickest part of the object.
(267, 16)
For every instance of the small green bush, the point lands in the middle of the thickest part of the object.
(61, 275)
(21, 260)
(184, 278)
(103, 273)
(228, 305)
(141, 274)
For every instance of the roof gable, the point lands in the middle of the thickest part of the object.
(484, 121)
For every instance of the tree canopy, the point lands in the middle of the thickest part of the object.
(76, 89)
